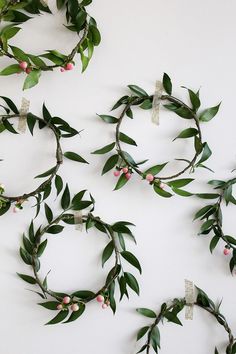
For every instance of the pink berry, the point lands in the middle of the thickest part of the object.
(128, 176)
(74, 307)
(116, 173)
(104, 306)
(23, 65)
(59, 307)
(149, 177)
(125, 170)
(162, 185)
(100, 298)
(69, 66)
(16, 210)
(226, 251)
(62, 70)
(66, 300)
(28, 70)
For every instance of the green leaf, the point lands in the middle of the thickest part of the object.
(32, 79)
(167, 84)
(105, 149)
(110, 163)
(121, 182)
(96, 36)
(65, 200)
(61, 316)
(74, 157)
(58, 184)
(137, 90)
(132, 282)
(171, 317)
(4, 209)
(50, 305)
(155, 338)
(41, 248)
(80, 205)
(187, 133)
(207, 225)
(194, 98)
(107, 252)
(154, 170)
(11, 69)
(161, 191)
(47, 173)
(181, 192)
(31, 120)
(108, 119)
(48, 213)
(178, 183)
(126, 139)
(75, 315)
(46, 115)
(27, 278)
(9, 126)
(10, 104)
(209, 113)
(142, 349)
(55, 229)
(19, 54)
(203, 211)
(206, 153)
(142, 332)
(25, 256)
(146, 312)
(129, 257)
(83, 294)
(207, 195)
(213, 243)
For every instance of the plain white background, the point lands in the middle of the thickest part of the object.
(194, 43)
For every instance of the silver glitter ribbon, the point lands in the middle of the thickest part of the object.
(23, 115)
(78, 220)
(156, 103)
(190, 299)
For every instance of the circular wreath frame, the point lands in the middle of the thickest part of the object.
(74, 306)
(59, 128)
(170, 313)
(212, 218)
(123, 162)
(78, 20)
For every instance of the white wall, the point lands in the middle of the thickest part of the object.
(195, 43)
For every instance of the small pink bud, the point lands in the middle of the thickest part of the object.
(69, 66)
(104, 306)
(59, 307)
(100, 298)
(149, 177)
(162, 185)
(16, 210)
(66, 300)
(226, 251)
(23, 65)
(62, 70)
(125, 170)
(28, 70)
(116, 173)
(108, 303)
(74, 307)
(128, 176)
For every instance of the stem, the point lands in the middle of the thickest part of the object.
(135, 101)
(58, 155)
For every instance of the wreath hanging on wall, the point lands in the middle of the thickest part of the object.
(71, 306)
(78, 20)
(60, 129)
(125, 165)
(169, 312)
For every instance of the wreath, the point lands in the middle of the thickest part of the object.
(78, 20)
(170, 313)
(60, 129)
(71, 306)
(211, 215)
(125, 165)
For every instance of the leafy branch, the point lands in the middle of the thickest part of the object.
(125, 165)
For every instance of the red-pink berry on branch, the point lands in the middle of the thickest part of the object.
(226, 251)
(128, 176)
(66, 300)
(59, 307)
(104, 306)
(74, 307)
(149, 177)
(23, 65)
(162, 185)
(125, 170)
(116, 173)
(16, 210)
(62, 70)
(100, 298)
(69, 66)
(28, 70)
